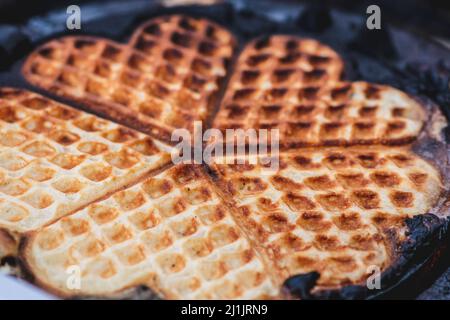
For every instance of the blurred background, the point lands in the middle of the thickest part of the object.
(426, 16)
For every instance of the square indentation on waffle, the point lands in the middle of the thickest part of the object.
(165, 78)
(170, 232)
(328, 210)
(55, 159)
(293, 84)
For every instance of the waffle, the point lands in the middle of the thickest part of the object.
(171, 233)
(55, 160)
(334, 211)
(225, 231)
(165, 78)
(293, 84)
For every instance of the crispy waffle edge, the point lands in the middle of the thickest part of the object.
(424, 232)
(114, 111)
(421, 229)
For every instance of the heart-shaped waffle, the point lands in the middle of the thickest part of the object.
(166, 77)
(335, 211)
(332, 211)
(55, 160)
(171, 232)
(293, 84)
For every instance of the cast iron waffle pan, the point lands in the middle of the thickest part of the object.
(404, 60)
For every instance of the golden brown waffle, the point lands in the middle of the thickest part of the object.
(54, 159)
(167, 77)
(241, 230)
(170, 232)
(293, 84)
(329, 210)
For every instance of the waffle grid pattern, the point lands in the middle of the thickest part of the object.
(326, 210)
(241, 232)
(294, 85)
(170, 232)
(54, 159)
(164, 79)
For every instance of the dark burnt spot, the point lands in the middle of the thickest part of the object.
(201, 66)
(187, 24)
(333, 201)
(291, 45)
(271, 111)
(298, 129)
(362, 242)
(364, 126)
(319, 182)
(275, 93)
(293, 242)
(418, 178)
(386, 220)
(290, 58)
(331, 127)
(313, 221)
(242, 167)
(266, 204)
(36, 103)
(336, 160)
(262, 43)
(195, 82)
(316, 60)
(368, 160)
(277, 222)
(49, 53)
(281, 75)
(248, 185)
(298, 202)
(368, 111)
(352, 180)
(236, 111)
(314, 75)
(372, 92)
(395, 126)
(207, 48)
(184, 174)
(111, 52)
(308, 93)
(256, 60)
(211, 32)
(242, 94)
(181, 39)
(249, 76)
(84, 44)
(172, 54)
(402, 160)
(303, 110)
(145, 45)
(398, 112)
(402, 199)
(285, 184)
(341, 93)
(335, 112)
(366, 199)
(153, 29)
(385, 179)
(157, 89)
(166, 72)
(326, 243)
(348, 221)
